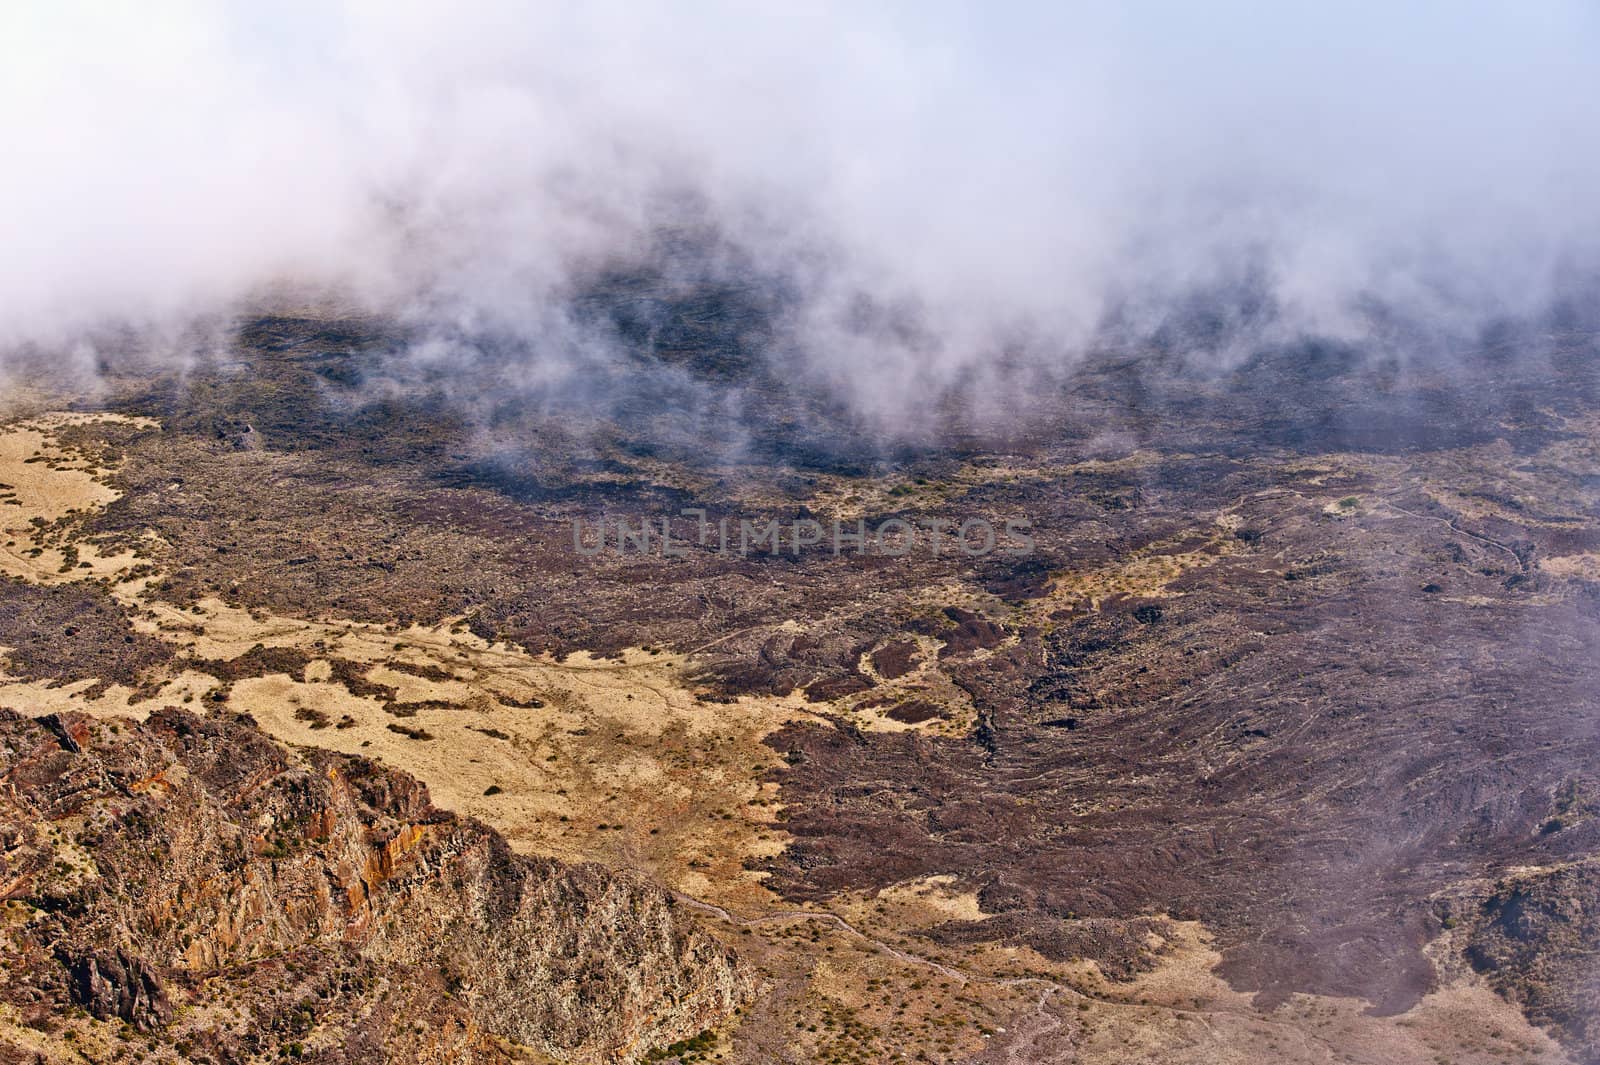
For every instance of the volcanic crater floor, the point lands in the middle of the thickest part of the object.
(1257, 762)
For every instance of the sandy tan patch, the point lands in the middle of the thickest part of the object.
(585, 759)
(1183, 1012)
(1583, 567)
(938, 897)
(43, 482)
(1147, 574)
(927, 683)
(619, 763)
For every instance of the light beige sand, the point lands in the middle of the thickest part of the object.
(45, 481)
(1584, 566)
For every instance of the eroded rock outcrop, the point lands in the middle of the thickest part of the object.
(1536, 938)
(299, 898)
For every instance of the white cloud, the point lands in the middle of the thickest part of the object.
(990, 173)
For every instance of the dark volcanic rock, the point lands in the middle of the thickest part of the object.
(116, 984)
(73, 633)
(1300, 765)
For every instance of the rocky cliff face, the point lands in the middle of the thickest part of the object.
(1536, 937)
(231, 897)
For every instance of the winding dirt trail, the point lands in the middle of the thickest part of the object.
(1451, 524)
(1026, 1044)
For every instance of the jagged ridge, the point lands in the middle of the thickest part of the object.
(300, 897)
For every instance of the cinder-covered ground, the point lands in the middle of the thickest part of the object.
(1280, 747)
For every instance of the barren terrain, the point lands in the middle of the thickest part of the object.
(1282, 747)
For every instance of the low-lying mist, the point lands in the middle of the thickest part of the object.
(922, 212)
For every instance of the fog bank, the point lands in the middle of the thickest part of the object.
(943, 193)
